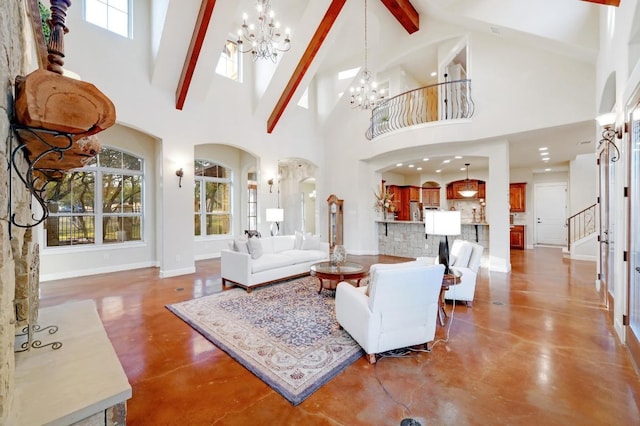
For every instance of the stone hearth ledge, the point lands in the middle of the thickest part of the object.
(82, 378)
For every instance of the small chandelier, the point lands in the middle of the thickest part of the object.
(265, 37)
(467, 192)
(365, 96)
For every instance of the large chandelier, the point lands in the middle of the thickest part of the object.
(365, 96)
(265, 37)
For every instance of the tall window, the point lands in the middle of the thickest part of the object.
(212, 199)
(112, 15)
(230, 62)
(97, 204)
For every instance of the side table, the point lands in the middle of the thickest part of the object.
(447, 281)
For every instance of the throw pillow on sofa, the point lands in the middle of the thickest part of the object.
(461, 259)
(311, 242)
(241, 246)
(255, 248)
(297, 245)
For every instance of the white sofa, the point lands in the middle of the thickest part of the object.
(397, 309)
(261, 261)
(465, 258)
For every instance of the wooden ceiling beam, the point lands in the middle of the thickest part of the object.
(615, 3)
(405, 13)
(190, 61)
(307, 58)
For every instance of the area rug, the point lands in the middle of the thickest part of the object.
(286, 334)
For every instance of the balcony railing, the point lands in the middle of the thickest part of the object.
(581, 225)
(438, 102)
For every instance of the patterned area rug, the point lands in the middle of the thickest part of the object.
(286, 334)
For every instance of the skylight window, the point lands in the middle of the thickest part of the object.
(343, 75)
(304, 99)
(229, 64)
(112, 15)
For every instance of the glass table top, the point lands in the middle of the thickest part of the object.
(347, 268)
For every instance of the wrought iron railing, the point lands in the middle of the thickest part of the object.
(438, 102)
(581, 225)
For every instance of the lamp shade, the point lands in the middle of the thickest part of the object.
(275, 215)
(606, 119)
(442, 222)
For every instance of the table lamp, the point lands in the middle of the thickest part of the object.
(443, 223)
(274, 216)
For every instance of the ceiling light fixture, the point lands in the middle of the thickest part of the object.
(265, 37)
(467, 192)
(366, 95)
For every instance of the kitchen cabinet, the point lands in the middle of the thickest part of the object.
(402, 197)
(517, 197)
(516, 237)
(454, 188)
(431, 197)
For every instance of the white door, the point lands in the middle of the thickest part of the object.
(550, 200)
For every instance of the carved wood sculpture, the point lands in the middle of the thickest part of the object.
(58, 115)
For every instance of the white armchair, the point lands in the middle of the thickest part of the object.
(397, 309)
(465, 258)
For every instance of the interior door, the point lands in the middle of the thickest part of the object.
(633, 330)
(550, 200)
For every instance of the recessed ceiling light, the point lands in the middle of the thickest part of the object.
(545, 159)
(411, 166)
(446, 161)
(399, 165)
(463, 168)
(438, 171)
(457, 157)
(544, 148)
(547, 170)
(425, 159)
(433, 73)
(419, 168)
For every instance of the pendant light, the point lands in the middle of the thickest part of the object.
(467, 192)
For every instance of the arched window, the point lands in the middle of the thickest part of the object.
(212, 199)
(101, 203)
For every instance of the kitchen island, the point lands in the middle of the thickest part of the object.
(406, 238)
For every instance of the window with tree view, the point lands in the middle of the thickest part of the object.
(212, 199)
(100, 203)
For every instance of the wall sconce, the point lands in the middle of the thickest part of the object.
(609, 132)
(270, 183)
(180, 174)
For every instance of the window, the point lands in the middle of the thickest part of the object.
(230, 62)
(212, 199)
(304, 99)
(97, 204)
(112, 15)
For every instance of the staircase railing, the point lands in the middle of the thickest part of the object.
(439, 102)
(581, 225)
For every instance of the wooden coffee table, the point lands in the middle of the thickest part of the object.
(325, 271)
(447, 281)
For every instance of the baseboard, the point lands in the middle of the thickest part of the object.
(177, 272)
(207, 256)
(95, 271)
(583, 257)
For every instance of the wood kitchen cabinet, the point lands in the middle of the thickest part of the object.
(517, 197)
(431, 197)
(402, 196)
(516, 237)
(454, 188)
